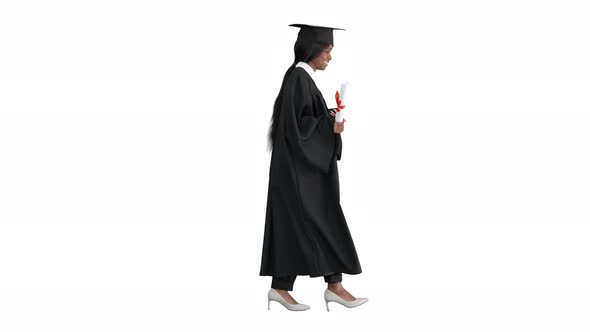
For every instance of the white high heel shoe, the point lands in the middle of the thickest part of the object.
(273, 295)
(330, 296)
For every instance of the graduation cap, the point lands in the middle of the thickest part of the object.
(315, 33)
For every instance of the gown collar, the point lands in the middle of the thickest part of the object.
(307, 68)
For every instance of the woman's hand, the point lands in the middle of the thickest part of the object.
(339, 126)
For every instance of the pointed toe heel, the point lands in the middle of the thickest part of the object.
(330, 296)
(273, 295)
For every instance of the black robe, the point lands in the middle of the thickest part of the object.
(305, 231)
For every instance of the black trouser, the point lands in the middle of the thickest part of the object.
(286, 282)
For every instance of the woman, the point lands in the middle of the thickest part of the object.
(305, 231)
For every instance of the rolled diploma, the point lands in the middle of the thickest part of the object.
(339, 114)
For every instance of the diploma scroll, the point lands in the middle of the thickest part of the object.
(340, 101)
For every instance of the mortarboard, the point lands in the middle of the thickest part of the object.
(314, 33)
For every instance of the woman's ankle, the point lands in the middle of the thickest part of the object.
(336, 286)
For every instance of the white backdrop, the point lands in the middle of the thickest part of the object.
(134, 170)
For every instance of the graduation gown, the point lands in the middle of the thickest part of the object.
(305, 231)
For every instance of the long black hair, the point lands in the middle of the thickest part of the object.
(304, 51)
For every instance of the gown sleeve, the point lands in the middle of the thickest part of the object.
(308, 130)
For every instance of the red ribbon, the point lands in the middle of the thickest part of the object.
(339, 102)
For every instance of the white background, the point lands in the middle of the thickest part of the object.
(134, 169)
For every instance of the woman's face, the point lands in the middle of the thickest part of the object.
(321, 61)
